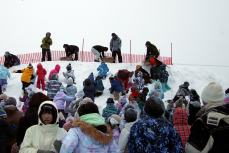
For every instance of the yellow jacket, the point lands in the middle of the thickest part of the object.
(26, 74)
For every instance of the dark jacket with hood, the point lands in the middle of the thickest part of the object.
(11, 60)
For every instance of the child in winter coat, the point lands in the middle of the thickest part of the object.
(116, 87)
(87, 135)
(109, 109)
(53, 86)
(41, 72)
(56, 70)
(157, 91)
(69, 73)
(71, 89)
(121, 103)
(102, 70)
(130, 117)
(4, 74)
(114, 121)
(89, 87)
(27, 76)
(139, 81)
(46, 135)
(134, 92)
(28, 93)
(60, 99)
(124, 76)
(98, 86)
(180, 122)
(141, 99)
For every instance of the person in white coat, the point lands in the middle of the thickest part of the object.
(46, 136)
(130, 116)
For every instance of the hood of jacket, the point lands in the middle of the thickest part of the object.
(39, 110)
(91, 131)
(57, 68)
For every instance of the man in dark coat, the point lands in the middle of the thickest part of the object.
(11, 60)
(70, 50)
(98, 51)
(152, 51)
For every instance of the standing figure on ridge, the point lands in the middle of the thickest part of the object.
(46, 43)
(115, 47)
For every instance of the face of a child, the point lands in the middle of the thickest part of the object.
(46, 118)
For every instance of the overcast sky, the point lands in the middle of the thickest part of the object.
(198, 29)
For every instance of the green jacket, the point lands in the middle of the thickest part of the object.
(46, 43)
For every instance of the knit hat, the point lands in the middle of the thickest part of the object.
(226, 99)
(186, 84)
(114, 119)
(3, 97)
(2, 112)
(7, 53)
(30, 65)
(138, 67)
(86, 100)
(212, 93)
(11, 101)
(70, 81)
(110, 100)
(69, 67)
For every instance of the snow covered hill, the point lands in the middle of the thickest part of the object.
(197, 76)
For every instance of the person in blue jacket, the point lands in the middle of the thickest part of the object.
(102, 70)
(4, 74)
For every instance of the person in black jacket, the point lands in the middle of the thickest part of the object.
(152, 51)
(70, 50)
(11, 60)
(98, 51)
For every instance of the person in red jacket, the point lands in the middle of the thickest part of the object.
(180, 122)
(124, 76)
(41, 72)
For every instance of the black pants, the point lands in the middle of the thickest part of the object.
(24, 85)
(44, 51)
(117, 52)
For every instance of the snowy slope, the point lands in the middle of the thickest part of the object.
(198, 77)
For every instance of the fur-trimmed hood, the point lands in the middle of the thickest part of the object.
(91, 131)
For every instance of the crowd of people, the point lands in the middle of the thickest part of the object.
(61, 118)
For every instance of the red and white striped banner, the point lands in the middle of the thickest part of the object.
(84, 56)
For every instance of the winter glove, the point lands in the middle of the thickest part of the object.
(57, 145)
(45, 151)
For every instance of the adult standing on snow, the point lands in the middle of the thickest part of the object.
(70, 50)
(98, 51)
(115, 47)
(46, 43)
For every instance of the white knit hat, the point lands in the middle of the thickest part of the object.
(212, 93)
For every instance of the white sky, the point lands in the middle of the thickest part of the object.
(198, 29)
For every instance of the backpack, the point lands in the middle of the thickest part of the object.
(210, 132)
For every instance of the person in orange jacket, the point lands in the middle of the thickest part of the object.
(27, 76)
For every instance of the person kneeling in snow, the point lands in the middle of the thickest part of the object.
(98, 86)
(102, 70)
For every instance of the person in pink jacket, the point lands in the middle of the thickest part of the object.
(56, 70)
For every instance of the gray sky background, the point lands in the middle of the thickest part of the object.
(198, 29)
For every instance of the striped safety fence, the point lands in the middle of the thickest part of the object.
(84, 56)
